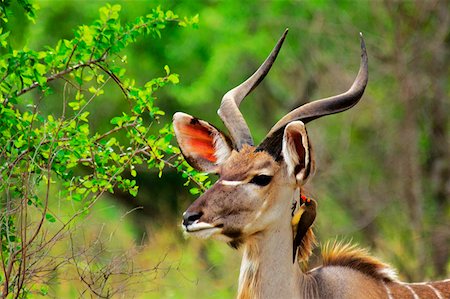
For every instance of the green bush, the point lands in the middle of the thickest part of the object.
(60, 153)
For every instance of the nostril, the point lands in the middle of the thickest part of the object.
(191, 217)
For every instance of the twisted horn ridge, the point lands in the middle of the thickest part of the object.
(229, 108)
(319, 108)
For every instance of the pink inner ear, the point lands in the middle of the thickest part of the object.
(199, 141)
(297, 140)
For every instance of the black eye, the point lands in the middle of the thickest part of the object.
(261, 180)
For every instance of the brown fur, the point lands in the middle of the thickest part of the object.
(348, 255)
(246, 163)
(442, 286)
(426, 290)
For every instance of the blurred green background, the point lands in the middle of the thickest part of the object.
(383, 171)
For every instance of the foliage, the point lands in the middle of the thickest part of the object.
(42, 153)
(367, 158)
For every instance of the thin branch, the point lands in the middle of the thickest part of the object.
(71, 55)
(114, 77)
(57, 75)
(133, 124)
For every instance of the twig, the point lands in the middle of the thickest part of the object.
(114, 77)
(57, 75)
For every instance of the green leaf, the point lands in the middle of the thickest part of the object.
(87, 34)
(77, 197)
(173, 78)
(4, 38)
(74, 105)
(50, 218)
(84, 115)
(194, 191)
(134, 191)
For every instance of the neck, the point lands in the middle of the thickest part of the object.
(267, 270)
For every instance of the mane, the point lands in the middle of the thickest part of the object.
(338, 253)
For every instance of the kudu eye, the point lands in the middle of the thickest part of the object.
(261, 180)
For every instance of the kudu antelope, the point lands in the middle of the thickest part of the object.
(252, 203)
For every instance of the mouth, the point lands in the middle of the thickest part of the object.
(202, 230)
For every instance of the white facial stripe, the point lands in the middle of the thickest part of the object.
(231, 183)
(265, 171)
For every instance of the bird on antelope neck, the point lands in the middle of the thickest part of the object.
(301, 222)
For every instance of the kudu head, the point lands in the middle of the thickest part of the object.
(256, 184)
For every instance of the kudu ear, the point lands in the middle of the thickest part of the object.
(297, 153)
(203, 146)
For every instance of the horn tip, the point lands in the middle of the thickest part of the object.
(363, 50)
(283, 36)
(363, 43)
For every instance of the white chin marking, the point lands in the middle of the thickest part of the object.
(201, 230)
(196, 226)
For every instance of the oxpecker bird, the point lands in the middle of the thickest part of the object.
(302, 221)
